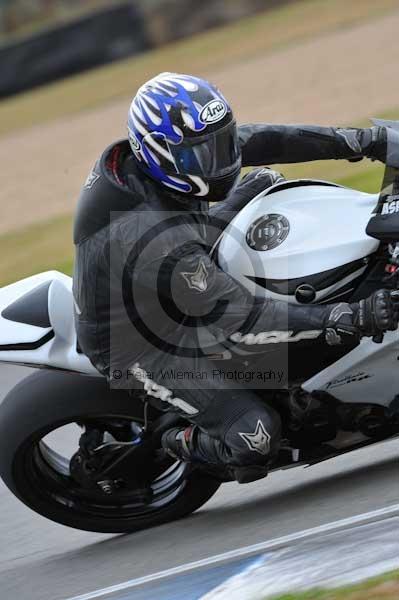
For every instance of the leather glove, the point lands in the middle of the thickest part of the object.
(370, 317)
(378, 313)
(370, 142)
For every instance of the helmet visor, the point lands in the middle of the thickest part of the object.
(209, 156)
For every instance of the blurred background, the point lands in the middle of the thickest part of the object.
(45, 40)
(69, 69)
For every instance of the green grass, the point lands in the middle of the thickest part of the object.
(35, 249)
(202, 54)
(370, 181)
(385, 587)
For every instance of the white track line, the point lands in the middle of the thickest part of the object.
(245, 551)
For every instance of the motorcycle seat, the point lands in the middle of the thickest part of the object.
(31, 308)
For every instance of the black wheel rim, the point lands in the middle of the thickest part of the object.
(47, 476)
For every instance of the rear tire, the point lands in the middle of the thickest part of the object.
(47, 400)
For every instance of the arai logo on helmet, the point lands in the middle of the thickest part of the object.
(213, 112)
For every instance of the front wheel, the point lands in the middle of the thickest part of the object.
(41, 422)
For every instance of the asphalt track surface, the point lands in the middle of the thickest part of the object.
(40, 560)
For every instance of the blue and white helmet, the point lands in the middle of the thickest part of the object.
(183, 135)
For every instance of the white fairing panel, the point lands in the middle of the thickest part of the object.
(326, 230)
(19, 333)
(368, 374)
(60, 350)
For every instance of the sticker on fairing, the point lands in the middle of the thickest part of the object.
(391, 206)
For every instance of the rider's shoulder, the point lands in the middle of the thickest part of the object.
(104, 192)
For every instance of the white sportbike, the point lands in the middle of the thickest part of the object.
(88, 457)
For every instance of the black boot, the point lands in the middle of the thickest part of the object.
(194, 446)
(179, 443)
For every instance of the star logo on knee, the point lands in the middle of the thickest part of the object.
(259, 440)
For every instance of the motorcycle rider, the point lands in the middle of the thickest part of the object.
(184, 151)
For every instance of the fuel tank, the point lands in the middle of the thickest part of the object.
(301, 241)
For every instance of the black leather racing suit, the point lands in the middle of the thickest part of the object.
(147, 293)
